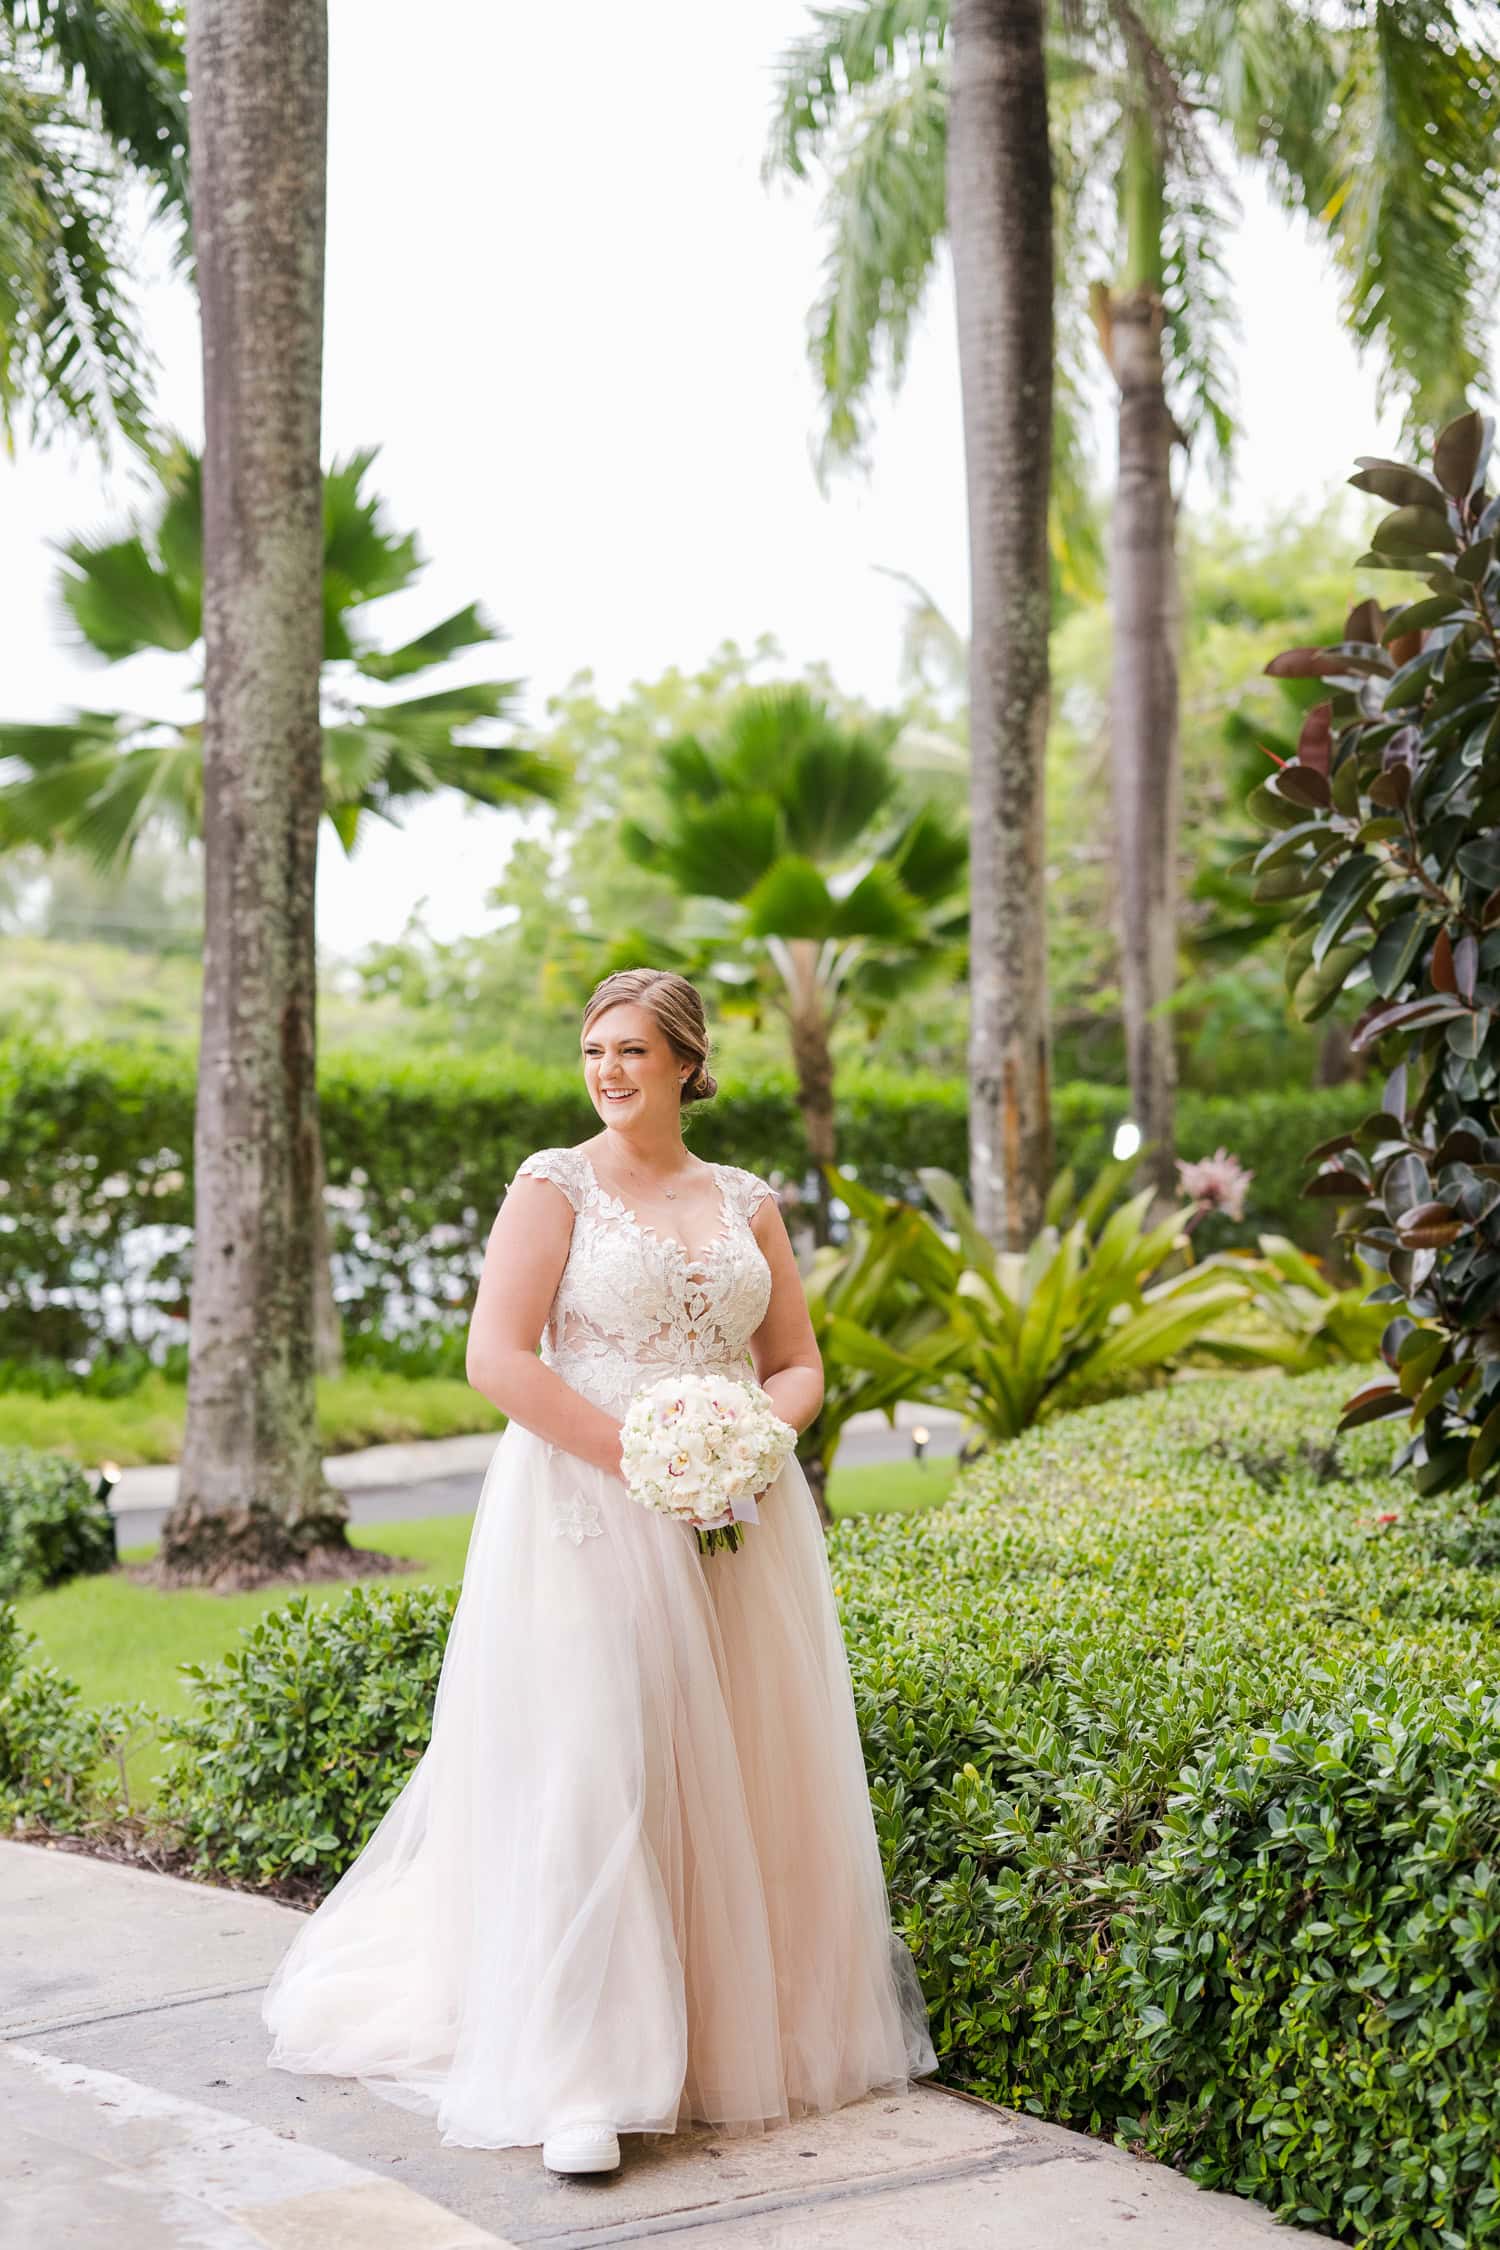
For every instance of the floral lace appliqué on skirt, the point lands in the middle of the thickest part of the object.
(573, 1517)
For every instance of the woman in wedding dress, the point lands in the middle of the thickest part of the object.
(633, 1884)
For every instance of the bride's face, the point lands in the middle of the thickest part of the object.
(631, 1072)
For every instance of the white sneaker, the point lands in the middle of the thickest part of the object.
(582, 2148)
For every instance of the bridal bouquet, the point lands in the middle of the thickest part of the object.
(700, 1447)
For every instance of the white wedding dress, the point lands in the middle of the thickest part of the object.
(634, 1877)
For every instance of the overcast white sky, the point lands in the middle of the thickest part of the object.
(563, 303)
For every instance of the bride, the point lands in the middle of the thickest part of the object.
(633, 1884)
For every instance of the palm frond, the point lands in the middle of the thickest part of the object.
(930, 858)
(121, 600)
(848, 50)
(466, 628)
(1384, 128)
(831, 789)
(125, 71)
(71, 353)
(100, 792)
(1201, 327)
(885, 210)
(363, 558)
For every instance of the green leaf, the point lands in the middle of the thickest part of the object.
(1415, 532)
(791, 900)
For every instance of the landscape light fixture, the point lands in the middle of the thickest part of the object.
(109, 1477)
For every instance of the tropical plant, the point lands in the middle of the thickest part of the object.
(102, 780)
(91, 100)
(813, 907)
(1312, 1321)
(1371, 118)
(1085, 1312)
(1079, 1316)
(1385, 829)
(889, 1279)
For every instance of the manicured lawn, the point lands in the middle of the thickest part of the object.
(368, 1407)
(119, 1640)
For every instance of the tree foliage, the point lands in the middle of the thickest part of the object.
(91, 101)
(101, 780)
(1386, 829)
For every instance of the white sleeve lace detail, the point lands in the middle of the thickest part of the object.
(560, 1166)
(748, 1190)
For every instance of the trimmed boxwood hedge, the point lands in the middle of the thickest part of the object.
(53, 1525)
(96, 1171)
(1185, 1761)
(61, 1762)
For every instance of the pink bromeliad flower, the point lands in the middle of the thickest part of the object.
(1216, 1183)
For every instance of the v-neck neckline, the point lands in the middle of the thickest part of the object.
(670, 1241)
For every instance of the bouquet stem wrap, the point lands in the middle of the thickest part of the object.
(699, 1448)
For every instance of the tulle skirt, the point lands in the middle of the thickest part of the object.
(634, 1878)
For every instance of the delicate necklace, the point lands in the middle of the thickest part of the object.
(669, 1192)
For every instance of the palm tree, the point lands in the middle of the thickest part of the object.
(91, 98)
(812, 908)
(999, 192)
(252, 1501)
(1369, 116)
(101, 780)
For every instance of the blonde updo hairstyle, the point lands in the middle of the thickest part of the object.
(678, 1011)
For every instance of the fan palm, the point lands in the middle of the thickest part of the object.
(90, 99)
(100, 780)
(819, 901)
(1376, 118)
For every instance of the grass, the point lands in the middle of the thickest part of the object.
(123, 1641)
(368, 1407)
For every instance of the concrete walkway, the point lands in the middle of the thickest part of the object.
(442, 1476)
(136, 2111)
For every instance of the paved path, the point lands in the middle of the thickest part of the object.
(442, 1476)
(136, 2111)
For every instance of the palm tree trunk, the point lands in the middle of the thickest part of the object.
(1000, 218)
(812, 1064)
(252, 1500)
(1145, 602)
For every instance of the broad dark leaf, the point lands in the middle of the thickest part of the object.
(1414, 532)
(1461, 451)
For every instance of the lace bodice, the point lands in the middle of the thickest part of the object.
(633, 1304)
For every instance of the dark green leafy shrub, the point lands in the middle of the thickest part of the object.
(96, 1173)
(1387, 822)
(1327, 1920)
(52, 1526)
(60, 1762)
(301, 1738)
(1185, 1770)
(1185, 1782)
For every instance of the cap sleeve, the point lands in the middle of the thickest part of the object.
(560, 1166)
(747, 1190)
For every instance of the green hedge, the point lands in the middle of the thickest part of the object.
(96, 1172)
(299, 1740)
(53, 1525)
(1185, 1762)
(61, 1763)
(1185, 1773)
